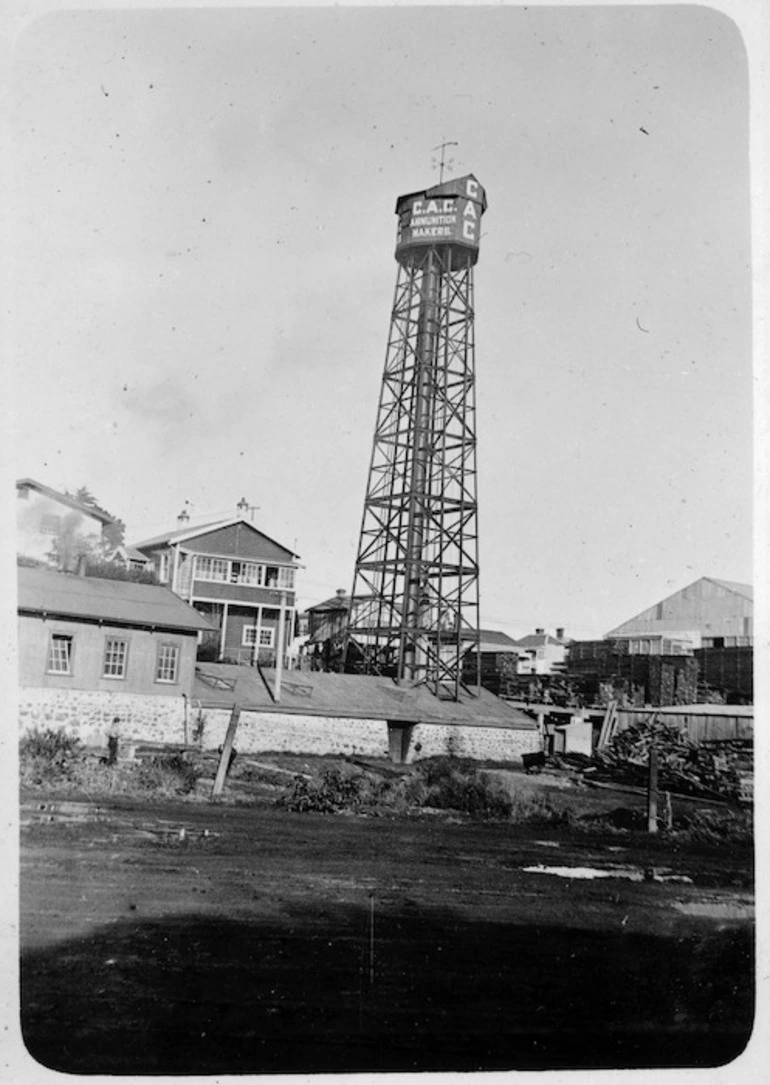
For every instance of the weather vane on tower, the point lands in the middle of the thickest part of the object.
(442, 162)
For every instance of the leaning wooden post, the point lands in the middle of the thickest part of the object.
(652, 793)
(224, 760)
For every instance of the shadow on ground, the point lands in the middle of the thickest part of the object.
(317, 991)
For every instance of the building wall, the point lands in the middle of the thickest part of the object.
(239, 541)
(87, 714)
(31, 540)
(478, 743)
(88, 657)
(709, 608)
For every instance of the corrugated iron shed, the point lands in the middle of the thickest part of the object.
(316, 693)
(65, 595)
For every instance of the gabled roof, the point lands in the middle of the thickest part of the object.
(65, 595)
(185, 534)
(130, 553)
(65, 499)
(746, 591)
(539, 640)
(496, 637)
(740, 589)
(337, 602)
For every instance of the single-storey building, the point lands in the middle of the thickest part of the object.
(91, 649)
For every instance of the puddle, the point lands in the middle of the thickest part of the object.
(588, 873)
(726, 909)
(60, 812)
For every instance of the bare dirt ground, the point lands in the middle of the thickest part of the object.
(186, 937)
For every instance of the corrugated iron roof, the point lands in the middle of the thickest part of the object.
(337, 602)
(65, 499)
(733, 585)
(45, 591)
(316, 693)
(539, 640)
(184, 533)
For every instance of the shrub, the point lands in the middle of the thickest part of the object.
(171, 775)
(716, 826)
(49, 757)
(335, 791)
(468, 791)
(443, 785)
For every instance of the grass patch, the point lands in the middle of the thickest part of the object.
(54, 761)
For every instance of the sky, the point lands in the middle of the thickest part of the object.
(203, 272)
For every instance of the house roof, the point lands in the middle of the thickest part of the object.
(494, 638)
(746, 591)
(316, 693)
(538, 640)
(65, 499)
(337, 602)
(65, 595)
(185, 534)
(733, 585)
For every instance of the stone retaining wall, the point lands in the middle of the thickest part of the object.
(87, 714)
(144, 718)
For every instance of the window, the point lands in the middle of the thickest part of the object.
(246, 572)
(250, 637)
(50, 524)
(115, 658)
(168, 663)
(216, 569)
(163, 568)
(60, 654)
(285, 577)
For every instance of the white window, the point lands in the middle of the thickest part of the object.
(50, 524)
(246, 572)
(60, 654)
(163, 568)
(115, 658)
(213, 569)
(286, 577)
(250, 637)
(168, 663)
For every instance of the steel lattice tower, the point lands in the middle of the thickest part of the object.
(415, 599)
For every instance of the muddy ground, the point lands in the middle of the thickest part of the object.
(189, 938)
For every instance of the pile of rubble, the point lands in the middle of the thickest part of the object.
(711, 770)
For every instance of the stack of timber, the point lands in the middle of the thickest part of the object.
(712, 770)
(496, 670)
(729, 671)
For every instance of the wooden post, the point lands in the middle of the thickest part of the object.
(279, 650)
(223, 635)
(224, 760)
(652, 793)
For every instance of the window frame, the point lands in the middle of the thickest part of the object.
(248, 641)
(204, 569)
(50, 523)
(108, 640)
(176, 647)
(70, 639)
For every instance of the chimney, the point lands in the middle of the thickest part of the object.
(183, 518)
(242, 507)
(82, 565)
(539, 632)
(340, 593)
(560, 633)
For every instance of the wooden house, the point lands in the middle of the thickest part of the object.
(238, 578)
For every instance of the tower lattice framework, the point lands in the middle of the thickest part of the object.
(415, 599)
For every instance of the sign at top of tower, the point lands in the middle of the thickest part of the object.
(447, 214)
